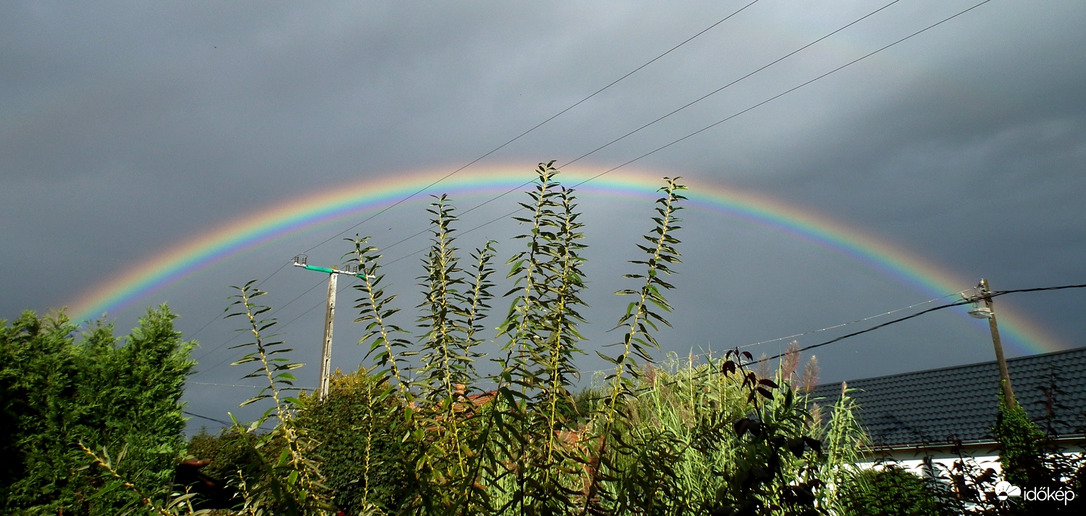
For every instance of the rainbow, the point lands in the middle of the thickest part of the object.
(368, 196)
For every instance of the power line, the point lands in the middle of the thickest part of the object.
(730, 84)
(533, 128)
(712, 370)
(194, 334)
(219, 421)
(238, 334)
(1037, 289)
(873, 328)
(940, 307)
(820, 330)
(630, 133)
(842, 325)
(281, 324)
(662, 147)
(718, 122)
(503, 145)
(261, 282)
(232, 385)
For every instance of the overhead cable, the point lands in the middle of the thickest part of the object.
(673, 142)
(533, 128)
(507, 143)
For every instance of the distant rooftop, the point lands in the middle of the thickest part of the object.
(938, 406)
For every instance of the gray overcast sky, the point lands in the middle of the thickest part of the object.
(128, 128)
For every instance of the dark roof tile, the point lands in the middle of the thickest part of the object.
(936, 406)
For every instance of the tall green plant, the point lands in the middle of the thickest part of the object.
(638, 325)
(387, 345)
(522, 447)
(447, 357)
(542, 342)
(290, 482)
(452, 308)
(441, 442)
(843, 440)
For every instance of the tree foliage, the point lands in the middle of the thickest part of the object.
(1021, 446)
(288, 479)
(891, 491)
(358, 432)
(64, 393)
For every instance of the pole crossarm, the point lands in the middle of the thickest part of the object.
(329, 316)
(350, 270)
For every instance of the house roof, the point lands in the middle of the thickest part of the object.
(939, 406)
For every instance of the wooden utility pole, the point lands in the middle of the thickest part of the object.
(329, 318)
(326, 350)
(989, 313)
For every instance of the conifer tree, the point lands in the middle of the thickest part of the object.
(63, 393)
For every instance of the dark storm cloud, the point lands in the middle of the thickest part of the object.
(130, 127)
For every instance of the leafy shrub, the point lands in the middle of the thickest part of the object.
(355, 427)
(63, 397)
(890, 491)
(733, 452)
(228, 455)
(1021, 446)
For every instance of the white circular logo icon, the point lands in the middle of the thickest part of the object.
(1004, 490)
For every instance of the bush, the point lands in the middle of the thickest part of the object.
(890, 491)
(228, 455)
(65, 398)
(355, 427)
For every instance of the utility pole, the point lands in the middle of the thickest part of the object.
(988, 312)
(329, 317)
